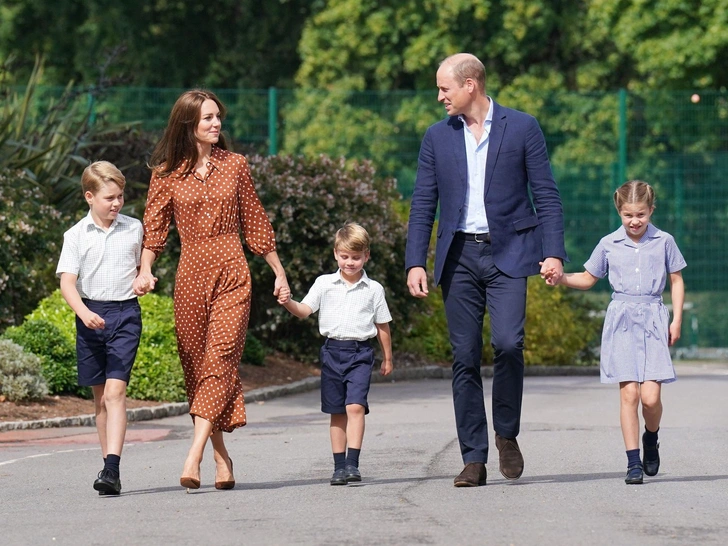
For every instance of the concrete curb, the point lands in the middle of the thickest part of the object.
(304, 385)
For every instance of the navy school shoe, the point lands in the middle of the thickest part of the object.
(352, 474)
(651, 458)
(108, 483)
(339, 477)
(634, 475)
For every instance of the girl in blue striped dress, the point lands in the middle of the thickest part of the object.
(637, 332)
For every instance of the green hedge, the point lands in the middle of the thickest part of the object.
(20, 373)
(157, 374)
(50, 333)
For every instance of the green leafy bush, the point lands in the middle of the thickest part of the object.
(157, 374)
(307, 200)
(30, 239)
(561, 328)
(20, 373)
(56, 352)
(254, 352)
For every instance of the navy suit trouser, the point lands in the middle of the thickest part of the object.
(470, 284)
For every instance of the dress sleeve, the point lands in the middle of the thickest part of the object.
(597, 264)
(157, 214)
(254, 223)
(674, 260)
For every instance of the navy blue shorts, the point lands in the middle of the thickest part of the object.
(346, 372)
(108, 353)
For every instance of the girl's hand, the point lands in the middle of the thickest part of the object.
(674, 334)
(549, 275)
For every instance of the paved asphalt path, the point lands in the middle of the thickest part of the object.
(572, 491)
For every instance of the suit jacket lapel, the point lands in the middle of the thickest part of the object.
(497, 129)
(458, 150)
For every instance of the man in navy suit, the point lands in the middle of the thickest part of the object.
(479, 165)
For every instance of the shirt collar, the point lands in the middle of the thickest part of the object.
(650, 233)
(88, 222)
(217, 160)
(336, 278)
(488, 117)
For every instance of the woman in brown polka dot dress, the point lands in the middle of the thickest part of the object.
(210, 193)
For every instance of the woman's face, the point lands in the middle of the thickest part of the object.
(208, 129)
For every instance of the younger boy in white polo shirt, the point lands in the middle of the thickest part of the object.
(352, 310)
(97, 268)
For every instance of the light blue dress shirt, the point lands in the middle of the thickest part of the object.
(473, 218)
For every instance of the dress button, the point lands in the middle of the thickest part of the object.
(637, 269)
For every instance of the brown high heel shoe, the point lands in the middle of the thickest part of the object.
(189, 482)
(229, 484)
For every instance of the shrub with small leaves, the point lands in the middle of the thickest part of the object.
(20, 373)
(31, 233)
(56, 352)
(157, 373)
(254, 352)
(307, 200)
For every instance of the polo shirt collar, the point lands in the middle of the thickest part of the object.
(650, 233)
(88, 222)
(337, 278)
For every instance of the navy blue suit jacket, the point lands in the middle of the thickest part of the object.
(525, 229)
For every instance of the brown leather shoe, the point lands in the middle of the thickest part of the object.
(511, 460)
(473, 475)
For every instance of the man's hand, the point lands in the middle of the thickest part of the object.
(417, 282)
(552, 270)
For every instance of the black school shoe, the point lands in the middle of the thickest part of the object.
(352, 474)
(339, 477)
(108, 483)
(634, 475)
(651, 458)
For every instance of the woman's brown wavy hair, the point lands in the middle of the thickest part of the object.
(178, 145)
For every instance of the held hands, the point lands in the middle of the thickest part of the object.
(551, 271)
(281, 290)
(144, 283)
(386, 367)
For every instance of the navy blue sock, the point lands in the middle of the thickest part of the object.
(633, 458)
(339, 461)
(352, 457)
(112, 463)
(649, 438)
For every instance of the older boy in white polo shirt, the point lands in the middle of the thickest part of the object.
(97, 268)
(352, 310)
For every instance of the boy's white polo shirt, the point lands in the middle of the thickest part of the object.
(348, 311)
(105, 261)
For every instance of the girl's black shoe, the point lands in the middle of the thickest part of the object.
(651, 458)
(634, 475)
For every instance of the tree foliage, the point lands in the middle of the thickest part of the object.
(228, 43)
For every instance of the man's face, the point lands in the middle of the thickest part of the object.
(456, 98)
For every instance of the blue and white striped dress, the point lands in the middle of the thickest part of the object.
(635, 336)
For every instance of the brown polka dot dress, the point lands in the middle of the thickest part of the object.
(212, 287)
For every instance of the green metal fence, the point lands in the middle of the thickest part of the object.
(677, 141)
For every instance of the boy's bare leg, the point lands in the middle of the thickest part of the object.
(223, 472)
(651, 404)
(355, 425)
(338, 431)
(203, 430)
(100, 411)
(629, 398)
(115, 402)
